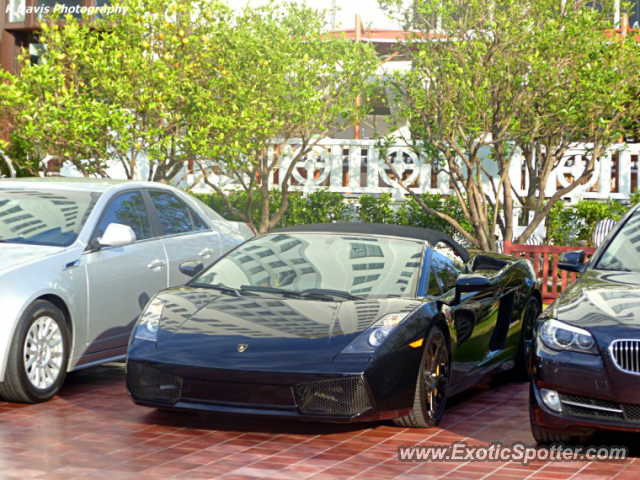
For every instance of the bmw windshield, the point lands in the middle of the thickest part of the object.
(347, 266)
(43, 217)
(623, 253)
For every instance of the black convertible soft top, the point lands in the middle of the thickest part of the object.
(432, 236)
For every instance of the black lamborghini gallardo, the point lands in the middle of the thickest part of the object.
(335, 322)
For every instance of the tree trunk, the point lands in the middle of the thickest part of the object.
(265, 201)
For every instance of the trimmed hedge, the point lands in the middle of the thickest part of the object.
(566, 224)
(569, 224)
(323, 206)
(318, 207)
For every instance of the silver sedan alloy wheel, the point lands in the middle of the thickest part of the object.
(43, 350)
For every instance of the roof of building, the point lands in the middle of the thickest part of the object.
(433, 237)
(383, 35)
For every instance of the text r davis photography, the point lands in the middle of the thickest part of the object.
(66, 9)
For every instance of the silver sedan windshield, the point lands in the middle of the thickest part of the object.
(43, 217)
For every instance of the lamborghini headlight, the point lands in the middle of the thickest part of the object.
(562, 336)
(147, 328)
(375, 335)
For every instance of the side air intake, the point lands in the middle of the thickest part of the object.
(150, 384)
(337, 397)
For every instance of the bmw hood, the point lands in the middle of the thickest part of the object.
(601, 299)
(266, 326)
(13, 255)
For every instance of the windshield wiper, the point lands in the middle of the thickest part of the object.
(613, 269)
(327, 292)
(317, 293)
(275, 290)
(222, 288)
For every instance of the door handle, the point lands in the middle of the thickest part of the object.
(157, 263)
(205, 252)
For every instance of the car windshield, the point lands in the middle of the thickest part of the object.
(43, 217)
(623, 253)
(338, 266)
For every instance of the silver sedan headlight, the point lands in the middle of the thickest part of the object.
(147, 328)
(562, 336)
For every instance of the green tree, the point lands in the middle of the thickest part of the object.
(489, 77)
(289, 84)
(593, 80)
(9, 105)
(122, 88)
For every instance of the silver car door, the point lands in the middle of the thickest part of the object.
(185, 235)
(122, 279)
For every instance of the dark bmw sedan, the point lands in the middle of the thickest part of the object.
(585, 362)
(336, 322)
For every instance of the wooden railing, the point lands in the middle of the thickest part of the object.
(545, 260)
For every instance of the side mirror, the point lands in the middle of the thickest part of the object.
(470, 283)
(117, 235)
(573, 261)
(191, 269)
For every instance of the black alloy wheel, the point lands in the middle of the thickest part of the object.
(431, 388)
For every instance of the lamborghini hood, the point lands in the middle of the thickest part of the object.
(206, 322)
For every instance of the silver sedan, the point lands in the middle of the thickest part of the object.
(79, 260)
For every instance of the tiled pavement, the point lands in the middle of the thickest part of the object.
(92, 430)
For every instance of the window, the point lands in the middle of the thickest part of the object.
(198, 223)
(365, 279)
(433, 289)
(369, 266)
(16, 10)
(306, 266)
(634, 14)
(208, 212)
(623, 253)
(126, 209)
(362, 250)
(36, 52)
(74, 4)
(174, 215)
(102, 3)
(44, 217)
(447, 265)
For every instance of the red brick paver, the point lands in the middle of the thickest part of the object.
(92, 430)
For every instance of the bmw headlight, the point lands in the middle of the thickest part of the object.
(561, 336)
(375, 335)
(147, 328)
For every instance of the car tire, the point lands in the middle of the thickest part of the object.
(531, 312)
(545, 437)
(39, 354)
(433, 379)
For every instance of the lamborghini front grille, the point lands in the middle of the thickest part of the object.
(150, 384)
(338, 397)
